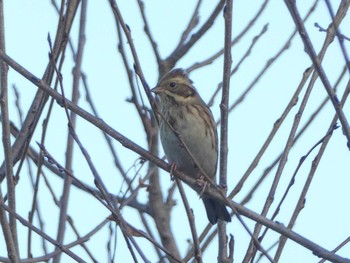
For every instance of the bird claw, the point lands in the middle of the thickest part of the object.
(203, 184)
(172, 169)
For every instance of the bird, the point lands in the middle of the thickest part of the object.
(183, 114)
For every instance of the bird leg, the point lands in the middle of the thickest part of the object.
(203, 183)
(172, 169)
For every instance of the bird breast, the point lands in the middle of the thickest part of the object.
(193, 124)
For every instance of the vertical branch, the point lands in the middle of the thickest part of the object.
(222, 256)
(70, 140)
(9, 230)
(225, 93)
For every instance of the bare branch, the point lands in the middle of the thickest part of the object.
(9, 228)
(317, 63)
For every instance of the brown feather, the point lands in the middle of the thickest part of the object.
(190, 118)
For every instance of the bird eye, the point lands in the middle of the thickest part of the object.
(172, 84)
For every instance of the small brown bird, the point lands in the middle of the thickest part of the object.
(183, 108)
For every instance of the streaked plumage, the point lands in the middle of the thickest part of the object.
(187, 113)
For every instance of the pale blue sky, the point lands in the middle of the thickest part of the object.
(324, 220)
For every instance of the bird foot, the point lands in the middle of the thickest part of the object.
(203, 183)
(172, 169)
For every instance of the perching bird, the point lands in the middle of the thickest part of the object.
(183, 108)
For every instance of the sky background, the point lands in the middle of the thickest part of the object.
(325, 218)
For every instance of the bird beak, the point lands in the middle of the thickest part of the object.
(157, 90)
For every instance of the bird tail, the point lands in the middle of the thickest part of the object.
(216, 210)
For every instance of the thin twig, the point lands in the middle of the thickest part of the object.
(240, 62)
(148, 31)
(79, 237)
(180, 51)
(339, 35)
(189, 212)
(216, 55)
(341, 245)
(193, 22)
